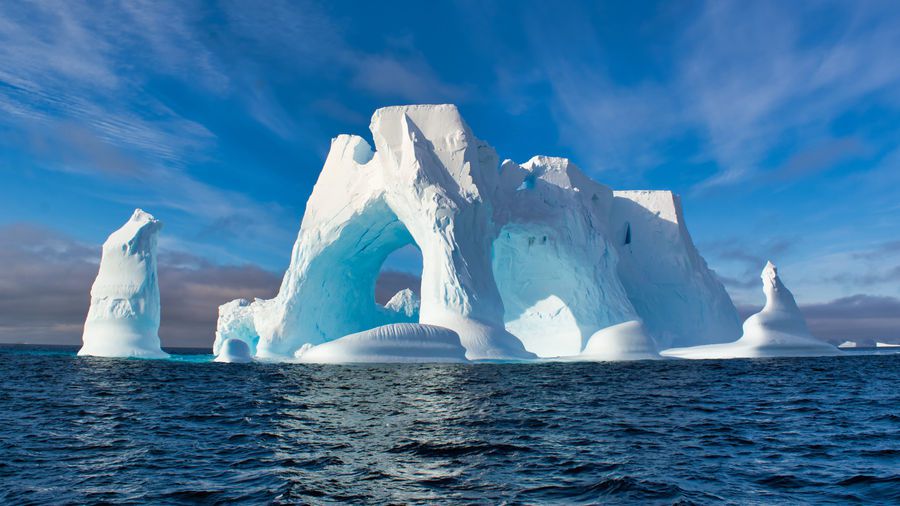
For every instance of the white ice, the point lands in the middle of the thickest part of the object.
(679, 299)
(778, 330)
(405, 304)
(394, 343)
(123, 320)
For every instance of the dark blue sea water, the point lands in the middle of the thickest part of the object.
(87, 430)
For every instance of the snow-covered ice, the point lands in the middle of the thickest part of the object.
(393, 343)
(778, 330)
(234, 351)
(123, 320)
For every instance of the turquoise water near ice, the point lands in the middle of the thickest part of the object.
(187, 431)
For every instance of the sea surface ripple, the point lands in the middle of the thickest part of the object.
(186, 431)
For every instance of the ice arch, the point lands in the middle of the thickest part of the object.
(538, 299)
(533, 248)
(554, 268)
(429, 181)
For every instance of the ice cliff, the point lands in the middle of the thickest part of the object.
(123, 320)
(778, 330)
(669, 284)
(519, 261)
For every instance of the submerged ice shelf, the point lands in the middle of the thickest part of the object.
(518, 262)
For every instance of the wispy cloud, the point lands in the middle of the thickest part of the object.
(74, 84)
(748, 82)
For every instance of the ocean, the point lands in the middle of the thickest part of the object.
(186, 431)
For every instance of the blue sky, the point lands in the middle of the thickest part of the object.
(777, 122)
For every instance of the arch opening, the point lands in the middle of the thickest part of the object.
(537, 288)
(399, 284)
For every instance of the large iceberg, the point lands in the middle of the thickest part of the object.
(123, 320)
(519, 261)
(778, 330)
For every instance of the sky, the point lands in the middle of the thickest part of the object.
(777, 122)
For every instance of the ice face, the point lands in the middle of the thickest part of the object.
(236, 322)
(778, 330)
(679, 299)
(123, 320)
(518, 261)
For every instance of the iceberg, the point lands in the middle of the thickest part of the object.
(778, 330)
(235, 322)
(405, 305)
(519, 261)
(394, 343)
(886, 345)
(234, 351)
(848, 344)
(123, 319)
